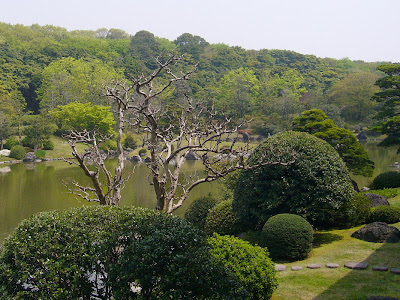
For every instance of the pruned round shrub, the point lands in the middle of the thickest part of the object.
(48, 145)
(17, 152)
(357, 211)
(12, 141)
(130, 142)
(288, 236)
(301, 174)
(221, 219)
(198, 210)
(142, 151)
(386, 180)
(384, 213)
(250, 265)
(109, 253)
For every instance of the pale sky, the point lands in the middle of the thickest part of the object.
(359, 29)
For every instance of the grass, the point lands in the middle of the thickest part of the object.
(337, 246)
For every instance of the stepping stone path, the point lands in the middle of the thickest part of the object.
(380, 268)
(395, 271)
(297, 268)
(332, 265)
(356, 265)
(314, 266)
(280, 268)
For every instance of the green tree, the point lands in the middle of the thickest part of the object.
(39, 132)
(389, 113)
(316, 122)
(5, 128)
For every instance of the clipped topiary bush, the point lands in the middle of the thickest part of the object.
(386, 180)
(312, 182)
(256, 238)
(357, 211)
(250, 265)
(12, 141)
(384, 213)
(198, 210)
(288, 236)
(222, 219)
(48, 145)
(17, 152)
(109, 253)
(130, 142)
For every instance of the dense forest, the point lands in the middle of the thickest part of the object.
(45, 66)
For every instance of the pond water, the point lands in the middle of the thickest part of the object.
(26, 189)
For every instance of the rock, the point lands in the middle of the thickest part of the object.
(30, 157)
(364, 189)
(378, 232)
(297, 268)
(380, 268)
(314, 266)
(5, 170)
(332, 265)
(191, 156)
(356, 265)
(135, 158)
(376, 200)
(395, 165)
(280, 268)
(147, 159)
(246, 136)
(5, 152)
(395, 271)
(362, 136)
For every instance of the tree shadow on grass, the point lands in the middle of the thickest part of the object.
(323, 238)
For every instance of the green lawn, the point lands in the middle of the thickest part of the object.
(337, 246)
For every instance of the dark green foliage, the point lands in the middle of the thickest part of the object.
(10, 143)
(142, 151)
(130, 142)
(48, 145)
(257, 238)
(27, 142)
(288, 236)
(222, 219)
(17, 152)
(356, 212)
(386, 180)
(40, 153)
(108, 145)
(384, 213)
(198, 210)
(313, 183)
(59, 255)
(250, 265)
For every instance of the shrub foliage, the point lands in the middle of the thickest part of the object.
(17, 152)
(222, 219)
(386, 180)
(288, 236)
(198, 210)
(385, 213)
(314, 182)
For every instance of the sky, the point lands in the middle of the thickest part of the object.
(357, 29)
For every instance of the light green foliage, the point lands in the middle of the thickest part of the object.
(48, 145)
(17, 152)
(40, 153)
(68, 80)
(316, 122)
(384, 213)
(388, 116)
(163, 256)
(198, 210)
(108, 145)
(356, 211)
(39, 132)
(221, 219)
(84, 116)
(386, 180)
(288, 236)
(250, 265)
(12, 141)
(312, 182)
(129, 142)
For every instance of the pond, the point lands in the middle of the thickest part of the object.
(26, 189)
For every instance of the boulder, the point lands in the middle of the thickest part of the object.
(362, 136)
(378, 232)
(191, 156)
(30, 157)
(147, 159)
(395, 165)
(5, 152)
(135, 158)
(364, 189)
(376, 200)
(5, 169)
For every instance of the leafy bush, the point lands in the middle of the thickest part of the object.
(130, 142)
(48, 145)
(221, 219)
(288, 236)
(198, 210)
(312, 181)
(250, 265)
(142, 151)
(357, 211)
(17, 152)
(256, 238)
(108, 145)
(12, 141)
(384, 213)
(27, 142)
(40, 153)
(386, 180)
(101, 252)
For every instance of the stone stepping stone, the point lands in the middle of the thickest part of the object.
(314, 266)
(380, 268)
(280, 268)
(332, 265)
(356, 265)
(297, 268)
(395, 271)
